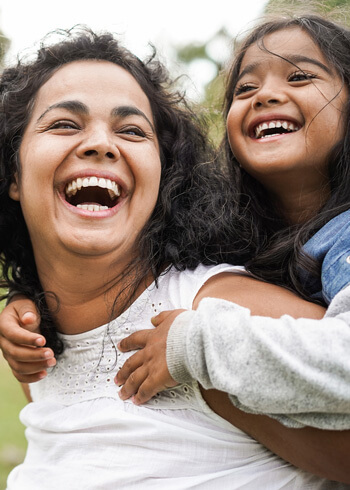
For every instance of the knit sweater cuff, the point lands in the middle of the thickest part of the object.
(176, 355)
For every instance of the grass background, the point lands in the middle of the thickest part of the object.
(12, 441)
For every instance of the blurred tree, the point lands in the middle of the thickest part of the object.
(4, 46)
(337, 10)
(215, 53)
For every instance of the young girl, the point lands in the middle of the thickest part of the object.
(93, 145)
(287, 110)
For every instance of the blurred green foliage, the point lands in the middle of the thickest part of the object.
(337, 10)
(12, 440)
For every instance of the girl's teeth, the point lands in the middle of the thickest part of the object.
(272, 125)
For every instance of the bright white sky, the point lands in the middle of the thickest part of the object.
(164, 23)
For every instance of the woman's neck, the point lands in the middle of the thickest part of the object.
(86, 290)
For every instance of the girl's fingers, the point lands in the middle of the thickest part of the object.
(25, 310)
(135, 341)
(145, 392)
(130, 365)
(30, 368)
(132, 384)
(30, 378)
(165, 316)
(158, 319)
(21, 336)
(23, 353)
(30, 320)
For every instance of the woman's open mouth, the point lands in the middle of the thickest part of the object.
(92, 193)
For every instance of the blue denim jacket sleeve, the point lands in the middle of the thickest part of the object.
(331, 247)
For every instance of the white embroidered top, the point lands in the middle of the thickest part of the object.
(82, 436)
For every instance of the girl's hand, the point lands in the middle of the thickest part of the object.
(20, 339)
(146, 373)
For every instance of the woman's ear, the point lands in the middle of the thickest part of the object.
(14, 188)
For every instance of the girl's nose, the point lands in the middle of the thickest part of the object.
(270, 94)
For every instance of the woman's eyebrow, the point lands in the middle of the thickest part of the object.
(71, 105)
(78, 107)
(128, 110)
(293, 59)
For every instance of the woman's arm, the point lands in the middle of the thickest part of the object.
(322, 452)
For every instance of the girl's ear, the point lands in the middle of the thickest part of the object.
(14, 188)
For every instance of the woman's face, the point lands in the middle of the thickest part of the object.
(287, 111)
(90, 165)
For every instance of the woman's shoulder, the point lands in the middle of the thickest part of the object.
(181, 287)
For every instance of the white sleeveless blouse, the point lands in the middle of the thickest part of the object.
(81, 436)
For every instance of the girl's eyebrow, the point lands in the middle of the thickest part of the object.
(77, 107)
(293, 59)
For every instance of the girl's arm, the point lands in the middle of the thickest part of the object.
(296, 370)
(26, 390)
(21, 342)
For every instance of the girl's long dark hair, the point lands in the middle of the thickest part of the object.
(276, 246)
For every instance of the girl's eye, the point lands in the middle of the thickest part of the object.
(63, 125)
(243, 88)
(300, 76)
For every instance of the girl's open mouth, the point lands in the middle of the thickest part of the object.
(267, 129)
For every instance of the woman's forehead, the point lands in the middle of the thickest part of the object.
(95, 80)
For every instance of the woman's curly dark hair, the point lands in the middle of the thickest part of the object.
(275, 245)
(194, 201)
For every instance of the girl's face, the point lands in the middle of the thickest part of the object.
(90, 165)
(287, 111)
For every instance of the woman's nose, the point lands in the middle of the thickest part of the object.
(99, 144)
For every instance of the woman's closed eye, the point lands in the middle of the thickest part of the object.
(64, 124)
(132, 131)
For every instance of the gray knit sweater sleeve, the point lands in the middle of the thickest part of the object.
(297, 371)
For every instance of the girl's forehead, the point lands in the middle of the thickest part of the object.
(287, 43)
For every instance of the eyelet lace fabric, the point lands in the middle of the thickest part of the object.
(90, 361)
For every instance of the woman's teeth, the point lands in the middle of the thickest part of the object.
(91, 207)
(75, 185)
